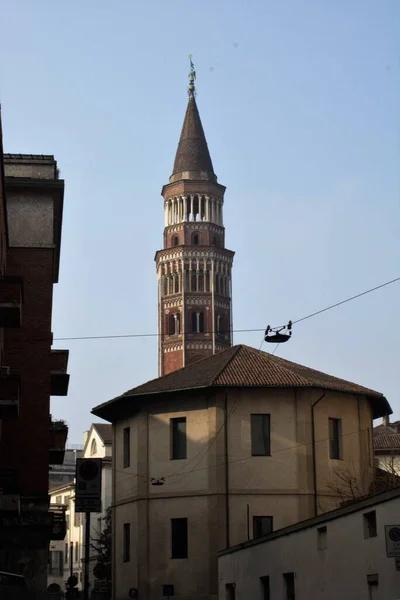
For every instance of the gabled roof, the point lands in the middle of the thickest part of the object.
(192, 153)
(105, 432)
(388, 441)
(242, 366)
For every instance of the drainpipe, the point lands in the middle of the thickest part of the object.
(314, 461)
(227, 519)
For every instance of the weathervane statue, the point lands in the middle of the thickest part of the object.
(192, 75)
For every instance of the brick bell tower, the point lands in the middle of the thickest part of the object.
(194, 268)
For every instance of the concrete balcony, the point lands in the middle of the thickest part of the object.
(10, 301)
(58, 372)
(58, 440)
(9, 393)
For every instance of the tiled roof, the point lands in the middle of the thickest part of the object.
(389, 441)
(242, 366)
(392, 427)
(192, 153)
(105, 431)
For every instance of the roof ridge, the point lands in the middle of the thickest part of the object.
(281, 360)
(237, 348)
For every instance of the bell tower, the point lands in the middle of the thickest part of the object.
(194, 268)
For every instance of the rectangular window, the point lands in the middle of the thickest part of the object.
(335, 439)
(370, 529)
(66, 554)
(76, 552)
(179, 538)
(261, 526)
(288, 581)
(260, 435)
(127, 542)
(322, 533)
(178, 438)
(265, 593)
(127, 447)
(77, 519)
(58, 499)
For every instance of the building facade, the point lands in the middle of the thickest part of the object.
(30, 371)
(194, 268)
(387, 446)
(226, 449)
(65, 473)
(341, 554)
(67, 555)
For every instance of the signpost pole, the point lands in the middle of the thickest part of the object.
(87, 548)
(71, 559)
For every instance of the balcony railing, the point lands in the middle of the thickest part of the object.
(58, 371)
(10, 301)
(58, 440)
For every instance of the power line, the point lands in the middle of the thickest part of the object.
(142, 335)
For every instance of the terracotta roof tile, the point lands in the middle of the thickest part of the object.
(105, 431)
(242, 366)
(389, 441)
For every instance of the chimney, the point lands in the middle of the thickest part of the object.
(386, 421)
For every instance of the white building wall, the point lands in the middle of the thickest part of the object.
(339, 571)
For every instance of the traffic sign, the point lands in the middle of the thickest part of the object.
(100, 571)
(392, 535)
(72, 581)
(88, 478)
(88, 505)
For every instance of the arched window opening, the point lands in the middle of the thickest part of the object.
(171, 324)
(201, 322)
(165, 285)
(193, 282)
(196, 239)
(176, 284)
(207, 281)
(201, 281)
(93, 447)
(195, 208)
(175, 241)
(197, 322)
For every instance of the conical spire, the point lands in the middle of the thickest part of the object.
(192, 160)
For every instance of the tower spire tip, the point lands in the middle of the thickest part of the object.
(192, 77)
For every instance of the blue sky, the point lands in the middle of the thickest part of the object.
(299, 102)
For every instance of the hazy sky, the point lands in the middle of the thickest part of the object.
(300, 104)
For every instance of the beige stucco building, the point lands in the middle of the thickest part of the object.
(222, 451)
(340, 554)
(97, 444)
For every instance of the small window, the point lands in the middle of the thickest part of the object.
(197, 322)
(260, 435)
(196, 239)
(76, 552)
(175, 241)
(335, 439)
(265, 589)
(322, 534)
(370, 529)
(179, 538)
(288, 581)
(178, 438)
(127, 447)
(262, 526)
(215, 240)
(93, 447)
(171, 324)
(126, 550)
(58, 499)
(66, 554)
